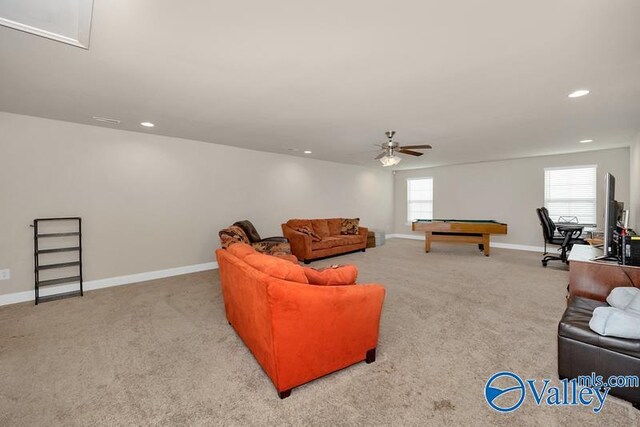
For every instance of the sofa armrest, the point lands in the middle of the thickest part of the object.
(363, 231)
(300, 242)
(275, 239)
(320, 329)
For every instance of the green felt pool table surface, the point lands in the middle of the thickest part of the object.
(459, 220)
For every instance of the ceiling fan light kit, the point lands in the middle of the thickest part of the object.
(388, 157)
(390, 160)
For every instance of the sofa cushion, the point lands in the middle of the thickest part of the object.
(326, 243)
(231, 235)
(575, 325)
(295, 223)
(335, 226)
(241, 250)
(335, 241)
(349, 225)
(276, 267)
(335, 275)
(349, 239)
(321, 227)
(309, 232)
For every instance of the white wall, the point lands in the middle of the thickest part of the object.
(508, 191)
(151, 202)
(634, 209)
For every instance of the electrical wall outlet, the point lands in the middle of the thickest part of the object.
(5, 274)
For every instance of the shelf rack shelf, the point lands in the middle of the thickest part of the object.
(40, 266)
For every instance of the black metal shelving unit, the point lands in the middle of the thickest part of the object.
(38, 253)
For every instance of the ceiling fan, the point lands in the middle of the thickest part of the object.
(389, 149)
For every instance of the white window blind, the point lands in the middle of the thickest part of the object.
(419, 198)
(571, 192)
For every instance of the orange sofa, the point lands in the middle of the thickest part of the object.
(332, 241)
(297, 331)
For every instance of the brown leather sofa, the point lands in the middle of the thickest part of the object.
(596, 281)
(582, 352)
(331, 240)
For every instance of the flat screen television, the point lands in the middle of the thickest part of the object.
(613, 212)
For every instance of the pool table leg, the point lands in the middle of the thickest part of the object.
(427, 241)
(486, 238)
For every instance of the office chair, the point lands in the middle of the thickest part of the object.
(569, 235)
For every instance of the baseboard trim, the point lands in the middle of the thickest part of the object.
(405, 236)
(493, 244)
(91, 285)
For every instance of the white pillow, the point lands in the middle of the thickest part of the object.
(625, 298)
(612, 321)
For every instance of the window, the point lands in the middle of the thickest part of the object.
(67, 21)
(571, 192)
(419, 198)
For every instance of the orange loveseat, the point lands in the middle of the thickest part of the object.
(331, 242)
(297, 331)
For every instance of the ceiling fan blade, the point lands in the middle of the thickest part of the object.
(420, 147)
(381, 155)
(410, 152)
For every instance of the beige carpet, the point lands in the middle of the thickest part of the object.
(161, 352)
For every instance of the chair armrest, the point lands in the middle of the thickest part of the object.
(300, 242)
(567, 228)
(276, 239)
(319, 329)
(570, 231)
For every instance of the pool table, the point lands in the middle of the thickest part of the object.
(459, 231)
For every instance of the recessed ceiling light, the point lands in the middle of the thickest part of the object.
(147, 124)
(578, 93)
(586, 141)
(307, 152)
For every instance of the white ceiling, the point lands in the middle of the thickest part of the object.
(479, 80)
